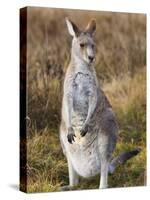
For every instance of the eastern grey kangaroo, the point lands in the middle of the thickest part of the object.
(88, 130)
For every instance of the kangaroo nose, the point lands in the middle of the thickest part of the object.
(91, 58)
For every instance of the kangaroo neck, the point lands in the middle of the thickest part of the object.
(79, 64)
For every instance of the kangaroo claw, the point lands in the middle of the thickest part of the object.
(71, 135)
(71, 138)
(83, 131)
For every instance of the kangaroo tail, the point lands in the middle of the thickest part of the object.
(121, 159)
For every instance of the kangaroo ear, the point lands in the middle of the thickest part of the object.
(72, 28)
(91, 27)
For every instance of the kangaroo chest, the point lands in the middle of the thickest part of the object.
(82, 87)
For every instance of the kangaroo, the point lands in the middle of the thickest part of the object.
(88, 130)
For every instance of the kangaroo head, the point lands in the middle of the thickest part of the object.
(83, 46)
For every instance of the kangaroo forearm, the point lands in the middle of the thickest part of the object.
(91, 109)
(69, 106)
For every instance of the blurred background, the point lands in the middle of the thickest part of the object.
(121, 70)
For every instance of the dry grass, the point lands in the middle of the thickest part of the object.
(120, 66)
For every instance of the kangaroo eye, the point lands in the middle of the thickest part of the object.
(82, 45)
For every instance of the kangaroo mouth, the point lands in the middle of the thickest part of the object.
(91, 60)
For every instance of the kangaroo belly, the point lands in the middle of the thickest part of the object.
(84, 155)
(86, 163)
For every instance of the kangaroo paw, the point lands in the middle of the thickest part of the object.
(71, 135)
(84, 130)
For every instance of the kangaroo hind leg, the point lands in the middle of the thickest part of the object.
(73, 176)
(104, 173)
(105, 153)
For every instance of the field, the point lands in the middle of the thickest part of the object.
(121, 70)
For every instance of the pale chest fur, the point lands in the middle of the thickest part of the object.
(83, 85)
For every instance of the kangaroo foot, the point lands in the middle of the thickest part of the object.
(66, 188)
